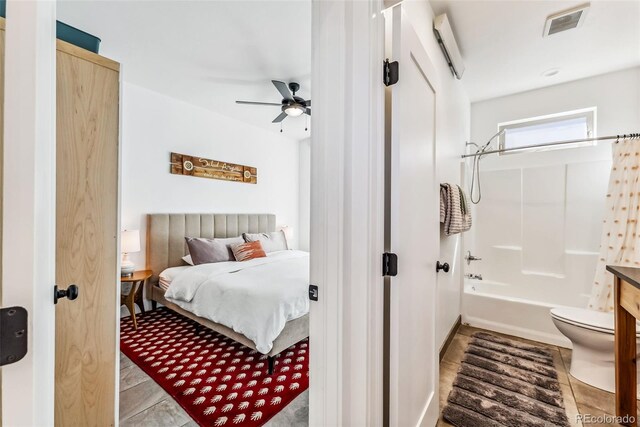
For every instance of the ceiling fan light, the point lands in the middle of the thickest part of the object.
(294, 110)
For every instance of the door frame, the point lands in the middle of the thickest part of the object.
(28, 240)
(347, 213)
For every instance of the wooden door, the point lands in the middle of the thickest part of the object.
(413, 231)
(86, 237)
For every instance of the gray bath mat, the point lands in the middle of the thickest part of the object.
(503, 382)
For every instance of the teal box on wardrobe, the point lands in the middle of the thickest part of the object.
(77, 37)
(67, 33)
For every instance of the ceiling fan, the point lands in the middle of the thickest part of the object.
(291, 104)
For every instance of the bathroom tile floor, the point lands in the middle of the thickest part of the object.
(579, 398)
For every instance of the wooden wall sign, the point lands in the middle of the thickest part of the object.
(181, 164)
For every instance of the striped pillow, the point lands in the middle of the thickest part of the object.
(247, 251)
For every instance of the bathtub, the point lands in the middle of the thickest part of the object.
(501, 307)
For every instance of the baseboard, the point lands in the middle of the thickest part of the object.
(452, 333)
(543, 337)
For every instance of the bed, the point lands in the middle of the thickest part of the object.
(166, 246)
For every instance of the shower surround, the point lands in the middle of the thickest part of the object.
(537, 230)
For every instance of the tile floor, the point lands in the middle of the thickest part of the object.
(579, 398)
(145, 403)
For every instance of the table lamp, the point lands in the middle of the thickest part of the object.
(129, 242)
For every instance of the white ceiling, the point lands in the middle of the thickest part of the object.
(504, 51)
(208, 53)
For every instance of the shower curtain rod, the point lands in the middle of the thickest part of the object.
(551, 144)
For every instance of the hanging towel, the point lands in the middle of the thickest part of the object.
(454, 209)
(466, 215)
(444, 202)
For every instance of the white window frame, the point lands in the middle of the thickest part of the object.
(589, 113)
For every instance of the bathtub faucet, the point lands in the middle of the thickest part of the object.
(470, 258)
(473, 276)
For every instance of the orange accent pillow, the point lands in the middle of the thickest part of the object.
(247, 251)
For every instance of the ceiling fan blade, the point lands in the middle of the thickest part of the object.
(307, 103)
(307, 111)
(283, 89)
(258, 103)
(280, 118)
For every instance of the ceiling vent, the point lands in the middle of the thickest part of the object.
(565, 20)
(446, 40)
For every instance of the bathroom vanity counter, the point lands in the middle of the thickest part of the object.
(627, 310)
(631, 275)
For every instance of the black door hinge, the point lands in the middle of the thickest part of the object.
(13, 334)
(313, 292)
(390, 72)
(389, 264)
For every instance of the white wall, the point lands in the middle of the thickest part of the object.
(304, 201)
(28, 218)
(155, 125)
(538, 225)
(616, 95)
(452, 131)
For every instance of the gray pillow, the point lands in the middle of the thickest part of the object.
(271, 242)
(205, 251)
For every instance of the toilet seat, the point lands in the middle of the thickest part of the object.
(588, 319)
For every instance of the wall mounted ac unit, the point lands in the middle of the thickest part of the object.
(446, 40)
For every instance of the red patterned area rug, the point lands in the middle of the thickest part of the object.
(216, 380)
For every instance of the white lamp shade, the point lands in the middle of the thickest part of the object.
(130, 241)
(294, 111)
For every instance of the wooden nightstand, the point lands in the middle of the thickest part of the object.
(138, 280)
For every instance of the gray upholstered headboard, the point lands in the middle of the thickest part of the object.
(166, 232)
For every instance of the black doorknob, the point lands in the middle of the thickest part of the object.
(70, 293)
(444, 267)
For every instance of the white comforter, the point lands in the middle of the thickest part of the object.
(255, 298)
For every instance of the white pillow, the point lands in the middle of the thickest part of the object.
(271, 242)
(187, 259)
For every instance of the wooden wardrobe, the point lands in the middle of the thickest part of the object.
(87, 236)
(87, 233)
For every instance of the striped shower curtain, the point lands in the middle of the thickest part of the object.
(619, 243)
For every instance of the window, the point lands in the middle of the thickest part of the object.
(567, 126)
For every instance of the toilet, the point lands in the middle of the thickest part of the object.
(592, 335)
